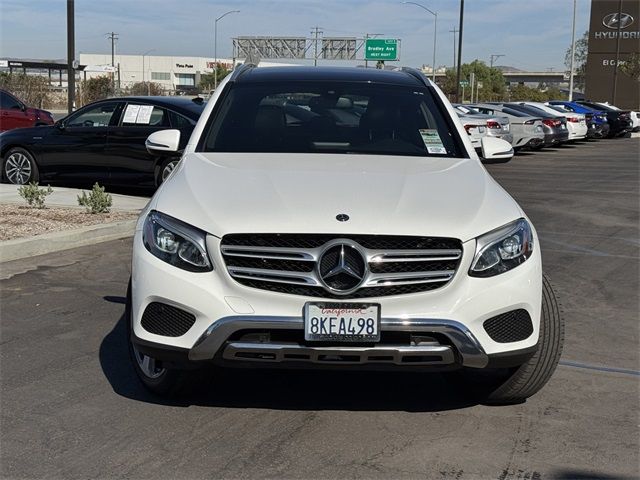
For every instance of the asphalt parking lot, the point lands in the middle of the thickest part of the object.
(72, 408)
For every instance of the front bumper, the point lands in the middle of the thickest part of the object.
(224, 310)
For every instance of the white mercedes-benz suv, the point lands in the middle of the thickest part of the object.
(338, 218)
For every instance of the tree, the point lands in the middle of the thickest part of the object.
(580, 61)
(492, 81)
(631, 66)
(146, 88)
(208, 81)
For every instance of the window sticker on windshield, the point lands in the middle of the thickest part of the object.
(144, 115)
(432, 141)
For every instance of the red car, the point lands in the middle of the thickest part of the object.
(15, 114)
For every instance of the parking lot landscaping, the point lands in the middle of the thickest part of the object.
(18, 221)
(73, 408)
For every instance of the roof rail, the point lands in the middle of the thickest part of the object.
(240, 70)
(417, 74)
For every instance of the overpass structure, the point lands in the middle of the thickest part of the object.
(527, 77)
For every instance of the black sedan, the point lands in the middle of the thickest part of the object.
(619, 120)
(101, 142)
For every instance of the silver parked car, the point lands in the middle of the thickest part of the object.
(527, 131)
(497, 125)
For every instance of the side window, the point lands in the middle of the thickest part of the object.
(567, 107)
(94, 116)
(7, 102)
(180, 121)
(144, 116)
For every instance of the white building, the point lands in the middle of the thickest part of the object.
(172, 73)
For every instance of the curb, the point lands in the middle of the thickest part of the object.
(19, 248)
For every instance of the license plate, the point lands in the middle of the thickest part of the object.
(342, 322)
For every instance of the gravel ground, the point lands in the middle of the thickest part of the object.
(18, 221)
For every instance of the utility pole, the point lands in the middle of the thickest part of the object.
(459, 52)
(495, 57)
(113, 37)
(316, 31)
(71, 56)
(454, 31)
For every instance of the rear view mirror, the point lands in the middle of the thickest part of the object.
(163, 141)
(496, 150)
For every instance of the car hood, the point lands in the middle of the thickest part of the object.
(225, 193)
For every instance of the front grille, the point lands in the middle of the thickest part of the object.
(165, 320)
(303, 264)
(512, 326)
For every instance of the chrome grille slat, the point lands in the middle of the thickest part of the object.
(378, 256)
(406, 278)
(275, 253)
(280, 276)
(265, 261)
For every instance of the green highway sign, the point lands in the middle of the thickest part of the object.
(464, 83)
(381, 49)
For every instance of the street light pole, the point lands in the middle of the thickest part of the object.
(215, 46)
(459, 51)
(573, 51)
(435, 35)
(143, 82)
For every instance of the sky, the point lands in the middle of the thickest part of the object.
(532, 34)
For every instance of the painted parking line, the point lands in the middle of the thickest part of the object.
(624, 371)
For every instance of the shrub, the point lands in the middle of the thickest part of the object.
(31, 89)
(34, 195)
(98, 201)
(96, 88)
(146, 88)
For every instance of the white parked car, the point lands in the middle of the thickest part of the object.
(576, 122)
(527, 131)
(338, 217)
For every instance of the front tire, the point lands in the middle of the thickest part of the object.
(152, 374)
(19, 167)
(524, 381)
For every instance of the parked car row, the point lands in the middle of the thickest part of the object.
(101, 142)
(104, 141)
(534, 125)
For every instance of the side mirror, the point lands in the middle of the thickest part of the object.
(163, 142)
(496, 150)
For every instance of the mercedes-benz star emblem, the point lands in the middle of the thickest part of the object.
(342, 217)
(342, 268)
(615, 20)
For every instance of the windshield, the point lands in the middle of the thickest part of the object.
(310, 117)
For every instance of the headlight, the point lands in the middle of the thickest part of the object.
(176, 243)
(502, 249)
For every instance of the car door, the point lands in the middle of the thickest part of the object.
(13, 113)
(75, 151)
(130, 161)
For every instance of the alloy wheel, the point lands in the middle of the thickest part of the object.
(169, 167)
(148, 365)
(17, 168)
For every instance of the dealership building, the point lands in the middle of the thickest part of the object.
(614, 38)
